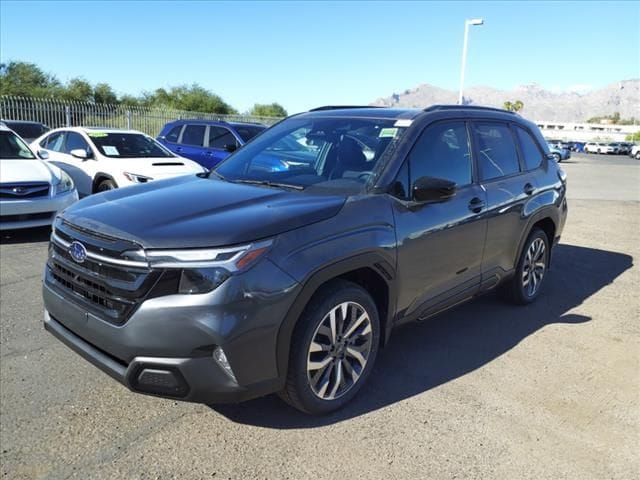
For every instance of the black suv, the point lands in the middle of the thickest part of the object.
(245, 281)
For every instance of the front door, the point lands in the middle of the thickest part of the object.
(440, 245)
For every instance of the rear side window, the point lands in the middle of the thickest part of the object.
(173, 134)
(530, 151)
(219, 137)
(497, 155)
(193, 135)
(442, 151)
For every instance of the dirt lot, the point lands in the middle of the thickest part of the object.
(485, 391)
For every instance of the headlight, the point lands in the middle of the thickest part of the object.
(201, 280)
(135, 178)
(65, 184)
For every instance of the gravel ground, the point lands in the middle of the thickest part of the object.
(484, 391)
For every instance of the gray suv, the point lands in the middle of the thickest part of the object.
(247, 280)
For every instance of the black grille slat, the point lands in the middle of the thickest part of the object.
(18, 191)
(25, 217)
(109, 290)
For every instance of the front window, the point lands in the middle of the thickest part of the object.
(327, 153)
(127, 145)
(13, 148)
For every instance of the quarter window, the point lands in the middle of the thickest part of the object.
(219, 137)
(193, 135)
(497, 155)
(442, 151)
(530, 151)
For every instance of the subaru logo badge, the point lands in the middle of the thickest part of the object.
(78, 252)
(19, 190)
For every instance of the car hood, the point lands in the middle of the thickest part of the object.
(190, 211)
(156, 168)
(18, 171)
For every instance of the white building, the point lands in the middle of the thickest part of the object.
(586, 132)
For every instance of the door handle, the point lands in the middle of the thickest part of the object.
(528, 189)
(476, 205)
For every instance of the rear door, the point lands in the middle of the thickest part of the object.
(508, 188)
(191, 143)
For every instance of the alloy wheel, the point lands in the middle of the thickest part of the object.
(534, 267)
(339, 350)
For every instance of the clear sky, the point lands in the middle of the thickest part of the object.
(305, 54)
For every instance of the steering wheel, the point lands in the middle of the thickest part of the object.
(364, 175)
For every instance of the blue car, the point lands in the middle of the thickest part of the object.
(207, 142)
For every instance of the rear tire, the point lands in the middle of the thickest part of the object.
(106, 185)
(557, 157)
(330, 358)
(526, 284)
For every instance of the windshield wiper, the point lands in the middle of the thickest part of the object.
(267, 183)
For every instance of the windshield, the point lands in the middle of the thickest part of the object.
(127, 145)
(324, 153)
(27, 130)
(13, 148)
(247, 132)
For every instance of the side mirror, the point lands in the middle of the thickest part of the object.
(431, 189)
(230, 147)
(80, 153)
(43, 154)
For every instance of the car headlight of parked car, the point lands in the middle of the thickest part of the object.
(65, 185)
(135, 178)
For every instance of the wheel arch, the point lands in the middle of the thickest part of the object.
(100, 177)
(547, 220)
(370, 270)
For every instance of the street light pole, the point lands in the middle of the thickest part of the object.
(475, 21)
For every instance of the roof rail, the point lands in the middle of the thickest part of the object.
(466, 107)
(341, 107)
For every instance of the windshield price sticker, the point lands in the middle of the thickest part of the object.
(110, 150)
(98, 134)
(403, 122)
(388, 133)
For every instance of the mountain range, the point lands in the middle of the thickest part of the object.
(539, 104)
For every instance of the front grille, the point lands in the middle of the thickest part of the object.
(26, 217)
(19, 191)
(110, 291)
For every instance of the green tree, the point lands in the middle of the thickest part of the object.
(193, 98)
(103, 93)
(268, 110)
(78, 89)
(633, 137)
(27, 80)
(513, 106)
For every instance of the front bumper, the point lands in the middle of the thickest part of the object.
(34, 212)
(166, 346)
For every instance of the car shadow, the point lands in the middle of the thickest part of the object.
(25, 235)
(422, 356)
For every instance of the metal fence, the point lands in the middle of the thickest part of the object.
(62, 113)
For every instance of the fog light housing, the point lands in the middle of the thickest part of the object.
(201, 280)
(221, 359)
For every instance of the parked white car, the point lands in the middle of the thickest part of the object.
(100, 159)
(635, 152)
(593, 147)
(32, 192)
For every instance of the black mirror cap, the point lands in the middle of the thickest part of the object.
(230, 147)
(432, 189)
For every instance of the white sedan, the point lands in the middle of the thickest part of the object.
(31, 191)
(100, 159)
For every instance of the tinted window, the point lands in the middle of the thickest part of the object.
(173, 135)
(193, 135)
(247, 132)
(219, 137)
(28, 131)
(530, 151)
(53, 142)
(442, 151)
(127, 145)
(12, 147)
(497, 155)
(74, 142)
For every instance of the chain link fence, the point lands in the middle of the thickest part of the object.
(63, 113)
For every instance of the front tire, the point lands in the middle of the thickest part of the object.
(526, 284)
(106, 185)
(333, 349)
(557, 157)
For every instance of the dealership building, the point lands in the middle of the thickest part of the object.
(586, 132)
